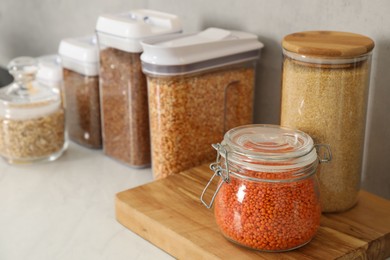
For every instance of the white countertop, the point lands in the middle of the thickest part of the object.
(65, 209)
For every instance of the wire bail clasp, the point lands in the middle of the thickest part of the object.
(218, 171)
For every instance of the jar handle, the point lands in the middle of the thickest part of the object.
(218, 171)
(228, 88)
(324, 152)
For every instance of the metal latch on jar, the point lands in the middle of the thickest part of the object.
(218, 171)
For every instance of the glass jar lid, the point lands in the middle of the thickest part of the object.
(268, 148)
(25, 97)
(264, 153)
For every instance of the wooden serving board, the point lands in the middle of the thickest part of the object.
(169, 214)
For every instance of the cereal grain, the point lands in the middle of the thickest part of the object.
(329, 103)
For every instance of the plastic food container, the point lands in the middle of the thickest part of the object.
(324, 93)
(200, 85)
(80, 61)
(267, 197)
(32, 124)
(50, 71)
(123, 87)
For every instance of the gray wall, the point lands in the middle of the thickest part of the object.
(35, 27)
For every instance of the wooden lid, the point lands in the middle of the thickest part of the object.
(328, 44)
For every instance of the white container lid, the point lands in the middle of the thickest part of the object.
(49, 70)
(80, 54)
(210, 48)
(125, 31)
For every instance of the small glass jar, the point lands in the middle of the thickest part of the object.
(267, 198)
(199, 86)
(123, 87)
(80, 63)
(32, 122)
(325, 86)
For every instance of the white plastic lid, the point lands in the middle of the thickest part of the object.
(125, 31)
(49, 70)
(212, 47)
(80, 54)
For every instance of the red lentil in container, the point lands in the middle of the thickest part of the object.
(267, 198)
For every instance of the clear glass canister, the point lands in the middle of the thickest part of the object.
(32, 121)
(267, 197)
(123, 87)
(324, 93)
(80, 62)
(199, 86)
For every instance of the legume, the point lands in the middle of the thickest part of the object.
(188, 113)
(82, 109)
(34, 138)
(268, 216)
(124, 105)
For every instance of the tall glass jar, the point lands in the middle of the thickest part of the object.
(32, 122)
(267, 198)
(324, 93)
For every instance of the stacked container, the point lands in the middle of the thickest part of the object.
(324, 93)
(199, 86)
(80, 63)
(123, 87)
(32, 121)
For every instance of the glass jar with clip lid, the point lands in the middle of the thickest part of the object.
(267, 197)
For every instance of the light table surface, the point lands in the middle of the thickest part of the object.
(65, 209)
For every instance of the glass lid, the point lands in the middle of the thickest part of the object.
(25, 90)
(268, 148)
(268, 142)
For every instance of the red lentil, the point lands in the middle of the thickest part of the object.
(268, 216)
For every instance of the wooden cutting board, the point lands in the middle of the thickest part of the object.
(169, 214)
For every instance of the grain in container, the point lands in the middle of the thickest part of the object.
(80, 62)
(199, 86)
(267, 195)
(123, 88)
(325, 84)
(32, 120)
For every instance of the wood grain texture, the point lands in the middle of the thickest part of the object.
(328, 44)
(169, 214)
